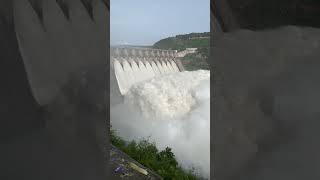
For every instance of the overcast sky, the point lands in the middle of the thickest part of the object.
(144, 22)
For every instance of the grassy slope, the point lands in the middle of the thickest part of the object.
(147, 154)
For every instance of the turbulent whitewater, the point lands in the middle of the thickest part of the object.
(172, 110)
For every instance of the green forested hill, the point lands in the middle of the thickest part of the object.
(192, 40)
(181, 42)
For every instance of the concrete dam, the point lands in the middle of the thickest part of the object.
(153, 96)
(133, 65)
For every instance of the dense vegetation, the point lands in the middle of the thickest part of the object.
(181, 42)
(194, 61)
(146, 153)
(194, 35)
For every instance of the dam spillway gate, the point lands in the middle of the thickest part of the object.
(132, 65)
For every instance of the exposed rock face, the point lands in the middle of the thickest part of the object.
(265, 105)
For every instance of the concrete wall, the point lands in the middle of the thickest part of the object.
(146, 63)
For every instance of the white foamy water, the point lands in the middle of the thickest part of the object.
(172, 110)
(130, 72)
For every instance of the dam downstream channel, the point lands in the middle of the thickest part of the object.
(169, 106)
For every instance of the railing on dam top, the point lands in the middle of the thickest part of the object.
(142, 53)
